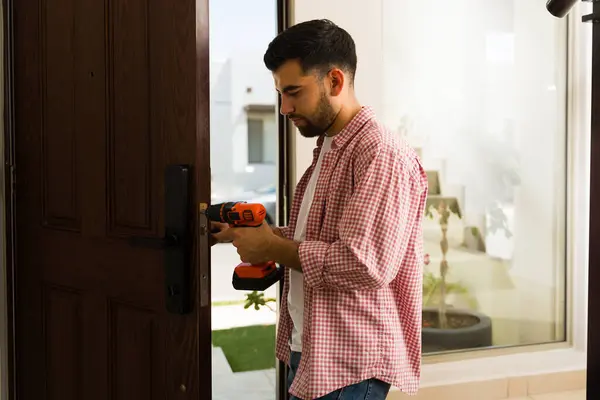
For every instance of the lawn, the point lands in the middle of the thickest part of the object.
(247, 348)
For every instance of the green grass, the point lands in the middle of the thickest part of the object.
(248, 348)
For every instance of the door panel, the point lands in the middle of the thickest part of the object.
(107, 95)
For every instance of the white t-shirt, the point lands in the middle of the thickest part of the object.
(296, 292)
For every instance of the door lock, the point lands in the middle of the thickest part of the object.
(176, 243)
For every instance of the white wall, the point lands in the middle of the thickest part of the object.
(230, 81)
(483, 85)
(249, 72)
(221, 120)
(364, 24)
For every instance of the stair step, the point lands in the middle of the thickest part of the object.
(433, 183)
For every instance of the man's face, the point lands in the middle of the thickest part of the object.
(305, 99)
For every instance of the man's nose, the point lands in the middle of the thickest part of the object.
(286, 108)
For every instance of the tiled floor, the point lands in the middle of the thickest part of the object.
(575, 395)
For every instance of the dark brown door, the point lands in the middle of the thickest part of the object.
(108, 94)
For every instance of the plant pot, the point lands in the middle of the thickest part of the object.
(466, 330)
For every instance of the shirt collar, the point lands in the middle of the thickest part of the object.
(356, 123)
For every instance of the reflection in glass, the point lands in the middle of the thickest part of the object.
(479, 89)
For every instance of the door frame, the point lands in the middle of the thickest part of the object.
(285, 173)
(593, 332)
(7, 303)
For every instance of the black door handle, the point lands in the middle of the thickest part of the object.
(176, 243)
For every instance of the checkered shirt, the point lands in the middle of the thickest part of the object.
(362, 264)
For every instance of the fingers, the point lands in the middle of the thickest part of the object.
(215, 229)
(218, 226)
(225, 236)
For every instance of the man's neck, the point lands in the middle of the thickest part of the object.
(347, 112)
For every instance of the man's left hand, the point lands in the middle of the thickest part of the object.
(253, 244)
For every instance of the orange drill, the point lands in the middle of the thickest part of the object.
(246, 276)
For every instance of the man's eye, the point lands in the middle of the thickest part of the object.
(294, 94)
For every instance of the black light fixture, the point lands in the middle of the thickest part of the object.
(560, 8)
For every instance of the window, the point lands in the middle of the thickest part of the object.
(478, 88)
(261, 120)
(256, 146)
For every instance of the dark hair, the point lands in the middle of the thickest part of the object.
(318, 45)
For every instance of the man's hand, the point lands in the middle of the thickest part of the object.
(253, 244)
(216, 227)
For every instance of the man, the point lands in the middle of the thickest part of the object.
(351, 323)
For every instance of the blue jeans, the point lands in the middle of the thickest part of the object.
(370, 389)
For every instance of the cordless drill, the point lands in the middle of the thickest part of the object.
(240, 214)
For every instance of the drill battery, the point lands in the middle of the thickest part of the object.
(256, 277)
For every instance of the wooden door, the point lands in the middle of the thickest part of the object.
(107, 95)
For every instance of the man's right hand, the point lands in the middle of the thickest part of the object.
(277, 232)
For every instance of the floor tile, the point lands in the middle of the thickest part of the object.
(572, 395)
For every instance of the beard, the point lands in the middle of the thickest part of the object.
(322, 119)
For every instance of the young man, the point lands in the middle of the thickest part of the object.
(351, 323)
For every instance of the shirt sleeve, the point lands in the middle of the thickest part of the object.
(286, 232)
(376, 225)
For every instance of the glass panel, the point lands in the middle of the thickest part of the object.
(478, 87)
(243, 138)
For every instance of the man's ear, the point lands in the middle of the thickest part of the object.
(337, 79)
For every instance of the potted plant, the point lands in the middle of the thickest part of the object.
(257, 299)
(444, 327)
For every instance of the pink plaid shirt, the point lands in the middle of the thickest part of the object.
(362, 264)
